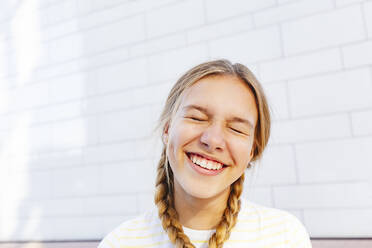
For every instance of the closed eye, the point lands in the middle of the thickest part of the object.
(195, 119)
(235, 130)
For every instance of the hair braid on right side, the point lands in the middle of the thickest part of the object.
(166, 211)
(230, 215)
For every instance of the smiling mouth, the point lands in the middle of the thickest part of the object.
(204, 166)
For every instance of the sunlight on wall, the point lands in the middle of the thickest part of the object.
(4, 99)
(25, 28)
(14, 186)
(3, 60)
(25, 35)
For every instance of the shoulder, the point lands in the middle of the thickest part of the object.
(143, 228)
(269, 220)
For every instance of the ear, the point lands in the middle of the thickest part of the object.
(252, 151)
(165, 134)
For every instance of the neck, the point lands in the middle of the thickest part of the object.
(199, 213)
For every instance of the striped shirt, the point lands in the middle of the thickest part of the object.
(257, 227)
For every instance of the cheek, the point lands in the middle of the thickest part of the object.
(241, 150)
(180, 135)
(183, 132)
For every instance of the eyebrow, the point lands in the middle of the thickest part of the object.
(204, 110)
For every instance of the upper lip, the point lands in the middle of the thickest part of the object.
(207, 157)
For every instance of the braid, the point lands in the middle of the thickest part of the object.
(229, 217)
(164, 201)
(169, 217)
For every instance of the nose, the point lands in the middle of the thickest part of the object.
(213, 138)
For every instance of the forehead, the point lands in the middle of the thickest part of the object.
(227, 96)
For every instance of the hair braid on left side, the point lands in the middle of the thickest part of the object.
(165, 203)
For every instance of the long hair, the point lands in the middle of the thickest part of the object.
(164, 193)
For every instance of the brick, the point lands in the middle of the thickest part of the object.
(126, 150)
(299, 66)
(312, 95)
(286, 1)
(69, 134)
(104, 16)
(158, 45)
(13, 66)
(59, 30)
(100, 15)
(368, 17)
(107, 4)
(29, 96)
(117, 204)
(40, 138)
(108, 153)
(7, 84)
(129, 124)
(6, 121)
(290, 11)
(66, 228)
(277, 98)
(217, 10)
(38, 184)
(323, 30)
(84, 7)
(318, 161)
(168, 65)
(58, 70)
(62, 111)
(110, 57)
(327, 127)
(107, 36)
(153, 94)
(67, 48)
(145, 201)
(78, 181)
(357, 54)
(58, 159)
(174, 17)
(259, 195)
(71, 87)
(340, 3)
(215, 30)
(362, 122)
(121, 76)
(59, 207)
(62, 11)
(6, 96)
(116, 177)
(258, 45)
(339, 223)
(275, 161)
(4, 56)
(337, 195)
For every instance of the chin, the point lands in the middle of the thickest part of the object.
(201, 195)
(201, 191)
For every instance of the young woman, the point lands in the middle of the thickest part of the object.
(215, 122)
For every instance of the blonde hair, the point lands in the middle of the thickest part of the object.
(164, 195)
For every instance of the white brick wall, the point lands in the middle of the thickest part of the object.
(82, 83)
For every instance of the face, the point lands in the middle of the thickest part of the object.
(213, 127)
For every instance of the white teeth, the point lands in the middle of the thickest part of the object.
(193, 159)
(211, 165)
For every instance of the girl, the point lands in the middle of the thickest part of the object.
(215, 122)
